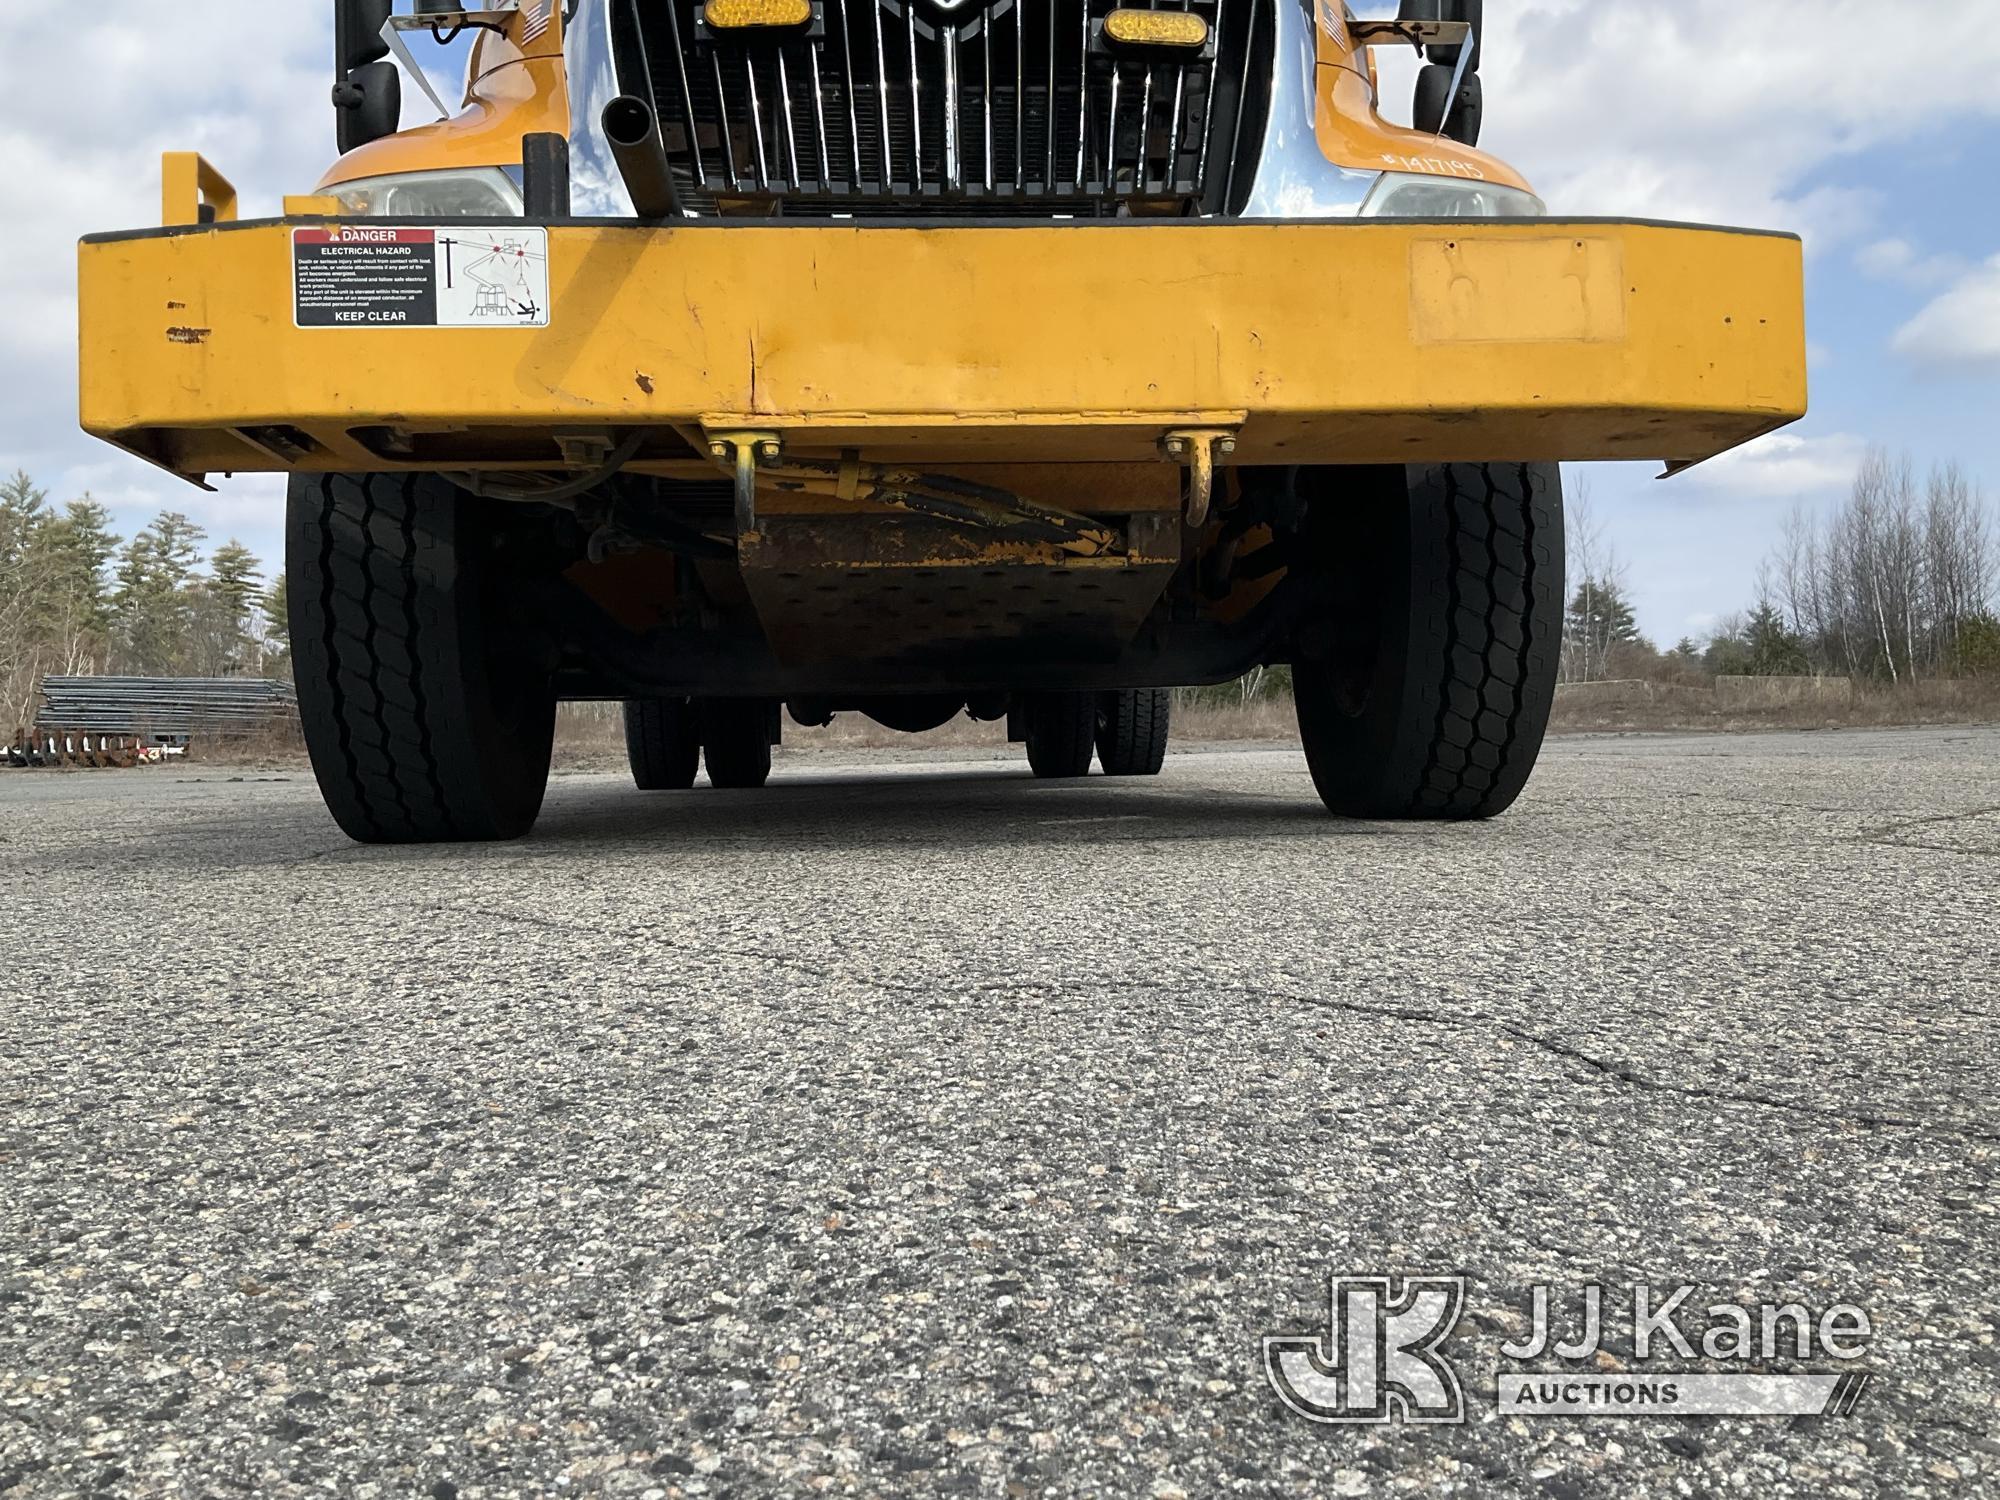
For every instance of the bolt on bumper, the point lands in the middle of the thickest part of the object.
(1362, 342)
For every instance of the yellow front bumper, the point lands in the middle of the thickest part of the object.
(1361, 342)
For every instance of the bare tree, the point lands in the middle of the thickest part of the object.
(1885, 586)
(1599, 614)
(1957, 555)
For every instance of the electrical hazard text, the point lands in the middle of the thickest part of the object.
(363, 276)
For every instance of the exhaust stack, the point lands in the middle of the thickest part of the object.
(632, 130)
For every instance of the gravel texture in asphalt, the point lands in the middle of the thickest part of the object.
(914, 1128)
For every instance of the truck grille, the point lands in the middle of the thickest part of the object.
(1009, 108)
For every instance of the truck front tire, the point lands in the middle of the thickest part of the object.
(423, 726)
(1426, 690)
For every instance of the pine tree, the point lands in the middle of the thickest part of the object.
(153, 606)
(84, 541)
(1600, 610)
(1979, 646)
(233, 574)
(21, 512)
(177, 541)
(1599, 617)
(277, 608)
(51, 592)
(1774, 650)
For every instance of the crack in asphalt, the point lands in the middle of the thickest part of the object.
(1925, 848)
(1472, 1021)
(1731, 1096)
(1931, 822)
(1885, 837)
(1643, 1081)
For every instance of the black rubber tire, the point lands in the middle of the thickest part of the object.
(1431, 694)
(1062, 733)
(663, 743)
(1132, 731)
(424, 724)
(736, 742)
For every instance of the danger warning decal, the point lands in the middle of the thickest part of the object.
(362, 276)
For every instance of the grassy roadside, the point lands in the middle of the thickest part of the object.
(591, 737)
(1689, 710)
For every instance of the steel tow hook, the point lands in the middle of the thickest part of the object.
(1199, 448)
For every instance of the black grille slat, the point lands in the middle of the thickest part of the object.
(688, 119)
(1236, 133)
(983, 107)
(839, 10)
(720, 112)
(819, 114)
(1020, 94)
(791, 125)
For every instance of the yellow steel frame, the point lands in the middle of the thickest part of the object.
(189, 184)
(1361, 342)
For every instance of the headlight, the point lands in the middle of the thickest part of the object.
(1400, 196)
(475, 193)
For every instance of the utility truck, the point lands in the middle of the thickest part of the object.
(751, 360)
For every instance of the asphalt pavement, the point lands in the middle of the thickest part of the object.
(916, 1128)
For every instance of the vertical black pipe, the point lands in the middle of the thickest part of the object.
(545, 175)
(632, 131)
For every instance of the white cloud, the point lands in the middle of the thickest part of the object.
(1899, 260)
(92, 100)
(1961, 329)
(1717, 110)
(1886, 258)
(1785, 465)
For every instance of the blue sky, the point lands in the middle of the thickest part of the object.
(1691, 545)
(1794, 114)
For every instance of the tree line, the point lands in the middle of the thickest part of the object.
(76, 599)
(1895, 585)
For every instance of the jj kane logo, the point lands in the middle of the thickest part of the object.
(1381, 1356)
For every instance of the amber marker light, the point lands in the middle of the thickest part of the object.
(1156, 28)
(741, 15)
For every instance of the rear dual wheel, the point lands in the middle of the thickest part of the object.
(1126, 730)
(1061, 734)
(1132, 731)
(666, 739)
(736, 742)
(663, 743)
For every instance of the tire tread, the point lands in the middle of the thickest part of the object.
(1485, 613)
(1132, 731)
(378, 657)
